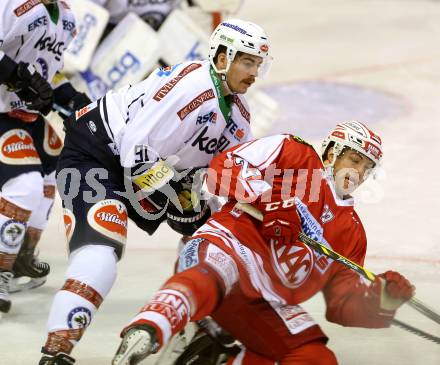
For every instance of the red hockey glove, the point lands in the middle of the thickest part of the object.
(282, 224)
(393, 289)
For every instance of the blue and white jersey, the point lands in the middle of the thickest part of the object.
(30, 34)
(177, 111)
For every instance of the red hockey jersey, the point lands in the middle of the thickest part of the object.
(270, 172)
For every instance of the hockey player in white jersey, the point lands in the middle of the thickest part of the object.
(143, 136)
(33, 37)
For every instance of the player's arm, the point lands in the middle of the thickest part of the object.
(150, 147)
(258, 172)
(355, 303)
(27, 83)
(66, 98)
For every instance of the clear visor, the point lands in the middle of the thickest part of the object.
(252, 67)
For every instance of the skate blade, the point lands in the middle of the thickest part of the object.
(135, 347)
(25, 283)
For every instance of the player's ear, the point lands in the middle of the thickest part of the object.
(222, 61)
(330, 156)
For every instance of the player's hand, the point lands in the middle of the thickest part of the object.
(282, 225)
(393, 289)
(32, 88)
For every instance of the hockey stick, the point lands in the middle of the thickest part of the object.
(413, 302)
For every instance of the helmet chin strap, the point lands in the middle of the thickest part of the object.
(225, 84)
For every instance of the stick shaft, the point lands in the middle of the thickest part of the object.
(319, 247)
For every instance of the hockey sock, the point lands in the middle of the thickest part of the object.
(12, 230)
(90, 276)
(191, 294)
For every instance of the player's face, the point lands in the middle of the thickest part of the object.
(350, 170)
(242, 73)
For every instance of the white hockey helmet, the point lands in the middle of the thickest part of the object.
(240, 36)
(357, 136)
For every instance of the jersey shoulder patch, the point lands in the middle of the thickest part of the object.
(25, 7)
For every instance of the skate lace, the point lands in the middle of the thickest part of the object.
(40, 266)
(5, 277)
(37, 264)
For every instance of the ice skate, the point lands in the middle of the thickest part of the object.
(58, 359)
(5, 302)
(137, 343)
(29, 271)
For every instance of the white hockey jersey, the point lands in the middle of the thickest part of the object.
(28, 33)
(154, 12)
(178, 110)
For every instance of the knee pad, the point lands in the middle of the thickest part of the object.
(94, 265)
(25, 190)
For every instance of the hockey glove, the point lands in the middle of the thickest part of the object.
(70, 100)
(282, 224)
(390, 290)
(190, 215)
(29, 85)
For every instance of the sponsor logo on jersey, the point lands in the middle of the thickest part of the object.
(79, 317)
(210, 145)
(44, 67)
(293, 262)
(69, 223)
(211, 117)
(166, 71)
(165, 89)
(326, 215)
(239, 134)
(196, 103)
(155, 177)
(12, 233)
(264, 48)
(296, 318)
(25, 7)
(17, 148)
(68, 25)
(246, 115)
(88, 21)
(234, 27)
(189, 256)
(223, 264)
(42, 20)
(84, 110)
(51, 45)
(52, 144)
(109, 217)
(232, 127)
(311, 227)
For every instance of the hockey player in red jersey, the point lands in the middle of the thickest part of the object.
(251, 277)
